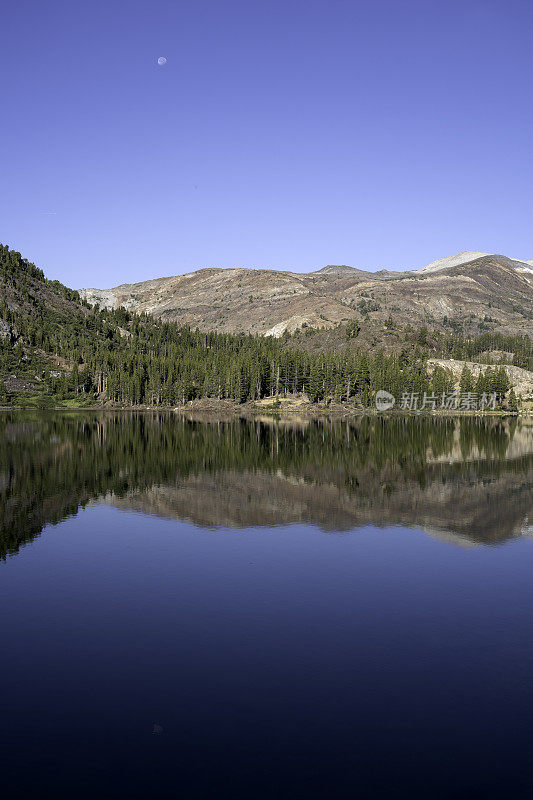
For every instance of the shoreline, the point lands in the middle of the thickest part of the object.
(214, 409)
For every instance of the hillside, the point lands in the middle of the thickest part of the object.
(56, 348)
(468, 294)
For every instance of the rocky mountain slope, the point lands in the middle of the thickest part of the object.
(471, 292)
(55, 348)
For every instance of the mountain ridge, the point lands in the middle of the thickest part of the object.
(470, 294)
(55, 347)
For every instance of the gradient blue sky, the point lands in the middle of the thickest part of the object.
(279, 134)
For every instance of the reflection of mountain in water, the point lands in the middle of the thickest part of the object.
(483, 512)
(469, 479)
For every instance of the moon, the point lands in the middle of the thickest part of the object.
(161, 60)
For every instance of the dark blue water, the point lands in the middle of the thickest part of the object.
(147, 655)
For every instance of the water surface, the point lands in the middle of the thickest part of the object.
(265, 609)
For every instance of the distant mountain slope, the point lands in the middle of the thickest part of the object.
(467, 256)
(469, 292)
(453, 261)
(54, 346)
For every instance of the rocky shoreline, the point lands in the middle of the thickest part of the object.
(288, 408)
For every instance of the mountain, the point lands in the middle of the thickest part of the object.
(470, 255)
(55, 347)
(470, 292)
(453, 261)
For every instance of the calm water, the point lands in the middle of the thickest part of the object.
(265, 610)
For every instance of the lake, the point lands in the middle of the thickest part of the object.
(265, 609)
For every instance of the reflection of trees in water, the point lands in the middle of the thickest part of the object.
(51, 464)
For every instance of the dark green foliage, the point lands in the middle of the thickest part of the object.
(466, 384)
(422, 336)
(367, 306)
(76, 354)
(520, 348)
(134, 360)
(352, 329)
(442, 382)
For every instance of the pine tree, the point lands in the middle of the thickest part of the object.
(512, 402)
(466, 383)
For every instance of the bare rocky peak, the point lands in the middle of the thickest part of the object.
(453, 261)
(470, 256)
(338, 269)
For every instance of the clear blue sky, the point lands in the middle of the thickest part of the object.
(278, 134)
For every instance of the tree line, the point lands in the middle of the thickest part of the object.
(137, 360)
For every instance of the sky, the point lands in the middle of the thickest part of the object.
(285, 135)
